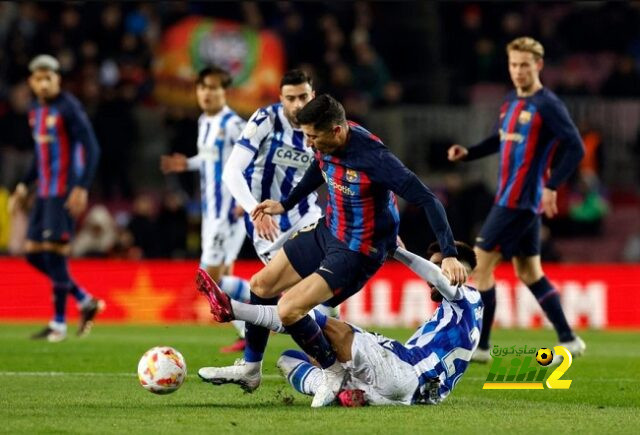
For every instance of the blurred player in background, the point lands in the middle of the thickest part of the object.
(333, 259)
(59, 126)
(534, 129)
(423, 370)
(223, 231)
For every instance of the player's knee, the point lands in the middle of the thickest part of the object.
(289, 312)
(261, 285)
(528, 275)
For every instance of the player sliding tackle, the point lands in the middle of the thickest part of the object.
(330, 261)
(380, 370)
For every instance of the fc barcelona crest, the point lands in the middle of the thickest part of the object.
(351, 175)
(524, 117)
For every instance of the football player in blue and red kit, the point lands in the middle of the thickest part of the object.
(59, 126)
(331, 260)
(533, 131)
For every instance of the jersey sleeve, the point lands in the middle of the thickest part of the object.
(387, 170)
(256, 130)
(571, 148)
(82, 132)
(429, 272)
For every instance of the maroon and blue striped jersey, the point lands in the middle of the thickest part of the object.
(361, 208)
(530, 133)
(62, 132)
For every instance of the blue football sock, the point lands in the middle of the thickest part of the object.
(60, 302)
(256, 336)
(549, 300)
(489, 301)
(310, 338)
(302, 376)
(78, 293)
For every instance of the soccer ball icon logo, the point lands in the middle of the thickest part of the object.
(544, 356)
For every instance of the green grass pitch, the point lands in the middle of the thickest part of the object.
(90, 386)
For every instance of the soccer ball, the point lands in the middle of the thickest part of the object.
(544, 356)
(162, 370)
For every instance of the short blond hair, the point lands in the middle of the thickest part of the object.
(527, 44)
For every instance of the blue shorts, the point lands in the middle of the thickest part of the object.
(50, 221)
(512, 232)
(315, 250)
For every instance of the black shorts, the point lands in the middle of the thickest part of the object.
(512, 232)
(50, 221)
(315, 250)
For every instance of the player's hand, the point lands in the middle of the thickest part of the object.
(456, 152)
(18, 199)
(77, 201)
(400, 243)
(238, 212)
(266, 227)
(267, 207)
(454, 270)
(174, 163)
(549, 202)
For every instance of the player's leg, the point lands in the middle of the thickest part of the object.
(483, 276)
(270, 281)
(299, 372)
(529, 271)
(53, 247)
(497, 240)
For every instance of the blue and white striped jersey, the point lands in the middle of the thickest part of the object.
(279, 162)
(442, 346)
(216, 136)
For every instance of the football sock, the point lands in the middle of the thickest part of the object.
(60, 302)
(237, 288)
(59, 273)
(549, 300)
(489, 301)
(305, 378)
(258, 315)
(79, 294)
(308, 335)
(37, 260)
(257, 336)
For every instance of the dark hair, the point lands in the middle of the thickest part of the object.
(465, 252)
(214, 70)
(295, 77)
(323, 112)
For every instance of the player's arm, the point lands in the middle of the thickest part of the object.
(82, 132)
(490, 145)
(243, 153)
(428, 272)
(391, 173)
(570, 152)
(571, 148)
(311, 180)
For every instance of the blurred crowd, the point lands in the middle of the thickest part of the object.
(367, 54)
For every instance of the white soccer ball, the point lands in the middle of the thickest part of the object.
(162, 370)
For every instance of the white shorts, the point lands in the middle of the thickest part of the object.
(266, 250)
(221, 241)
(380, 373)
